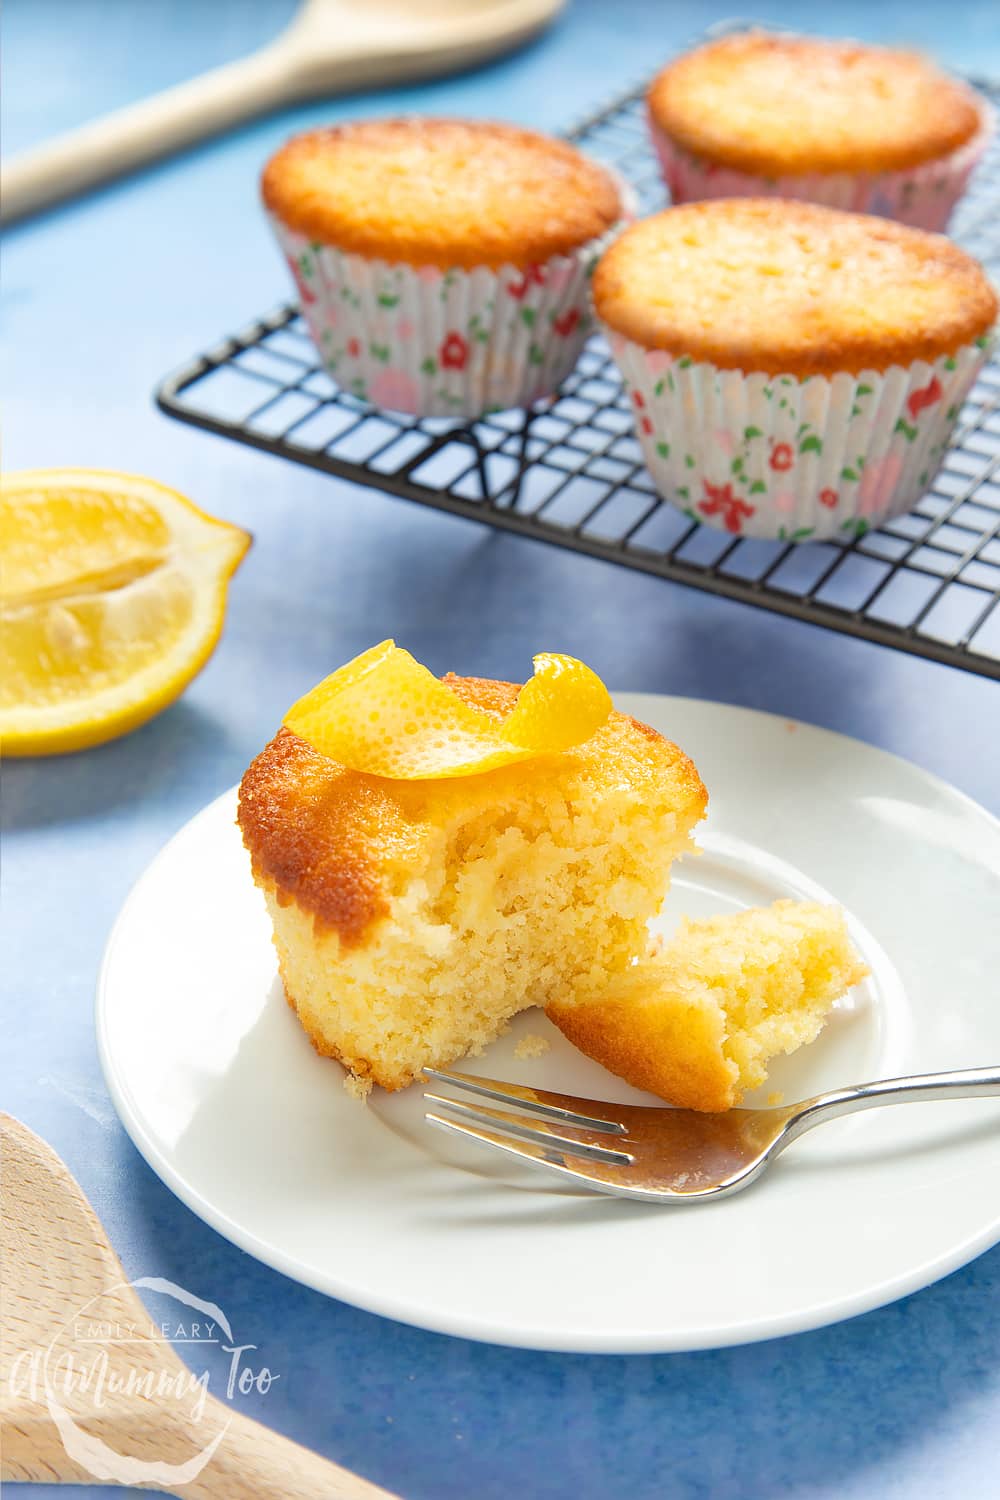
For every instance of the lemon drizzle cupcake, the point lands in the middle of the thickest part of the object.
(442, 265)
(795, 372)
(867, 129)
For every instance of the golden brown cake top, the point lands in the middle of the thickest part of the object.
(440, 192)
(340, 842)
(786, 288)
(787, 104)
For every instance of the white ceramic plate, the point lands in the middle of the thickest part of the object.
(223, 1095)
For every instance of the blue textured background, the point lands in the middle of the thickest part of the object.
(99, 300)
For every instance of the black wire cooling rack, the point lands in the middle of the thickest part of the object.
(570, 471)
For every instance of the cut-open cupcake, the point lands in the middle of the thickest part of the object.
(437, 855)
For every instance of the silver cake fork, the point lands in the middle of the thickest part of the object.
(664, 1155)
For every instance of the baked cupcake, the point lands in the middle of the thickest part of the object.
(699, 1022)
(855, 127)
(506, 847)
(442, 265)
(795, 371)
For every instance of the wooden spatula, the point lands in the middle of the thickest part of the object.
(68, 1311)
(330, 46)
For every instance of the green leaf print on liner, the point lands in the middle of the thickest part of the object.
(904, 427)
(855, 524)
(798, 535)
(811, 444)
(528, 317)
(782, 404)
(950, 363)
(535, 355)
(663, 449)
(923, 478)
(736, 466)
(952, 413)
(428, 366)
(687, 509)
(758, 487)
(388, 299)
(855, 411)
(751, 432)
(316, 247)
(865, 390)
(685, 494)
(767, 393)
(786, 380)
(659, 387)
(689, 460)
(684, 362)
(380, 352)
(306, 265)
(982, 341)
(851, 475)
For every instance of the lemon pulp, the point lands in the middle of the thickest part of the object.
(112, 594)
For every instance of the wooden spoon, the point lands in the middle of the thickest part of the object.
(330, 46)
(63, 1284)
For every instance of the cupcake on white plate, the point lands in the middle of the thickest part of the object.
(795, 372)
(443, 265)
(868, 129)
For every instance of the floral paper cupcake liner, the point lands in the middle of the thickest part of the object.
(794, 458)
(443, 343)
(923, 196)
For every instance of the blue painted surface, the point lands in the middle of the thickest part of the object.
(99, 300)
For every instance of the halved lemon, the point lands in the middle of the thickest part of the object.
(386, 714)
(113, 593)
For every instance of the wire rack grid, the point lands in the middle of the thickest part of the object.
(570, 471)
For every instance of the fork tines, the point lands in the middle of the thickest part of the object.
(536, 1107)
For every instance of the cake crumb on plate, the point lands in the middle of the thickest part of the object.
(532, 1045)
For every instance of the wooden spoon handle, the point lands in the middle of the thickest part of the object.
(144, 131)
(254, 1463)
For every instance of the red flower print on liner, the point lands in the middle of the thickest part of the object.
(720, 501)
(926, 396)
(782, 457)
(531, 276)
(828, 498)
(646, 425)
(454, 352)
(354, 347)
(565, 325)
(637, 399)
(305, 290)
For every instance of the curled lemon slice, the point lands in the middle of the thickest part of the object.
(386, 714)
(112, 592)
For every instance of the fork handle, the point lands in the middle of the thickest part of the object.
(968, 1083)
